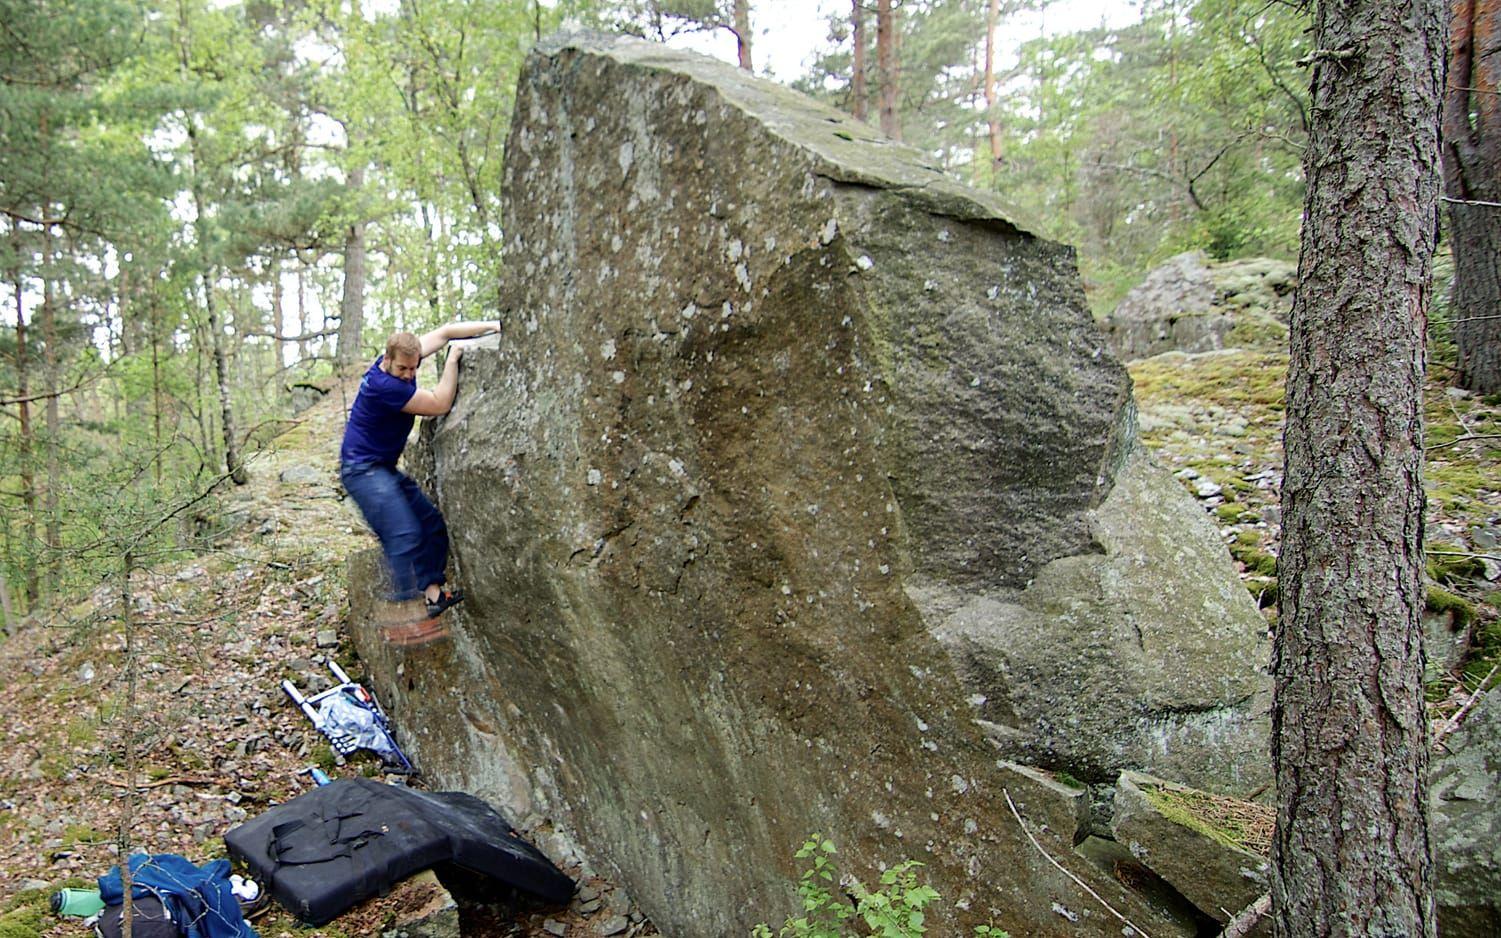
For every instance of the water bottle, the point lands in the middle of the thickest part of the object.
(319, 776)
(79, 902)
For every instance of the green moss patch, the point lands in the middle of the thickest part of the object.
(1244, 825)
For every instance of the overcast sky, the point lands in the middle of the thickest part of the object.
(787, 33)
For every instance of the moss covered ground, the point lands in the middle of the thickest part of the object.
(1217, 417)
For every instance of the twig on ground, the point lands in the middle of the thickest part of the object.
(1049, 857)
(1246, 919)
(169, 780)
(1452, 723)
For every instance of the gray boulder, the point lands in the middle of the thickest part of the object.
(1145, 652)
(1190, 304)
(1464, 791)
(776, 400)
(1204, 865)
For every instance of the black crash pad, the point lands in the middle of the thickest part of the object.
(329, 849)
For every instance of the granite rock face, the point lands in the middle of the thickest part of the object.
(1464, 791)
(774, 405)
(1191, 304)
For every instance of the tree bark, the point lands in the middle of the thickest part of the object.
(859, 89)
(743, 33)
(1472, 173)
(352, 304)
(888, 67)
(1351, 853)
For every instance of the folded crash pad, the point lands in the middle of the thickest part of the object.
(331, 848)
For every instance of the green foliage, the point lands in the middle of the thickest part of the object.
(893, 910)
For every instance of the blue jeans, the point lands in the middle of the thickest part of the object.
(411, 531)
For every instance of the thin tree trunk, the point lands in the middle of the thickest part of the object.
(888, 67)
(352, 305)
(992, 17)
(743, 33)
(32, 581)
(859, 86)
(303, 325)
(233, 464)
(1472, 173)
(1351, 854)
(156, 391)
(5, 607)
(52, 419)
(127, 802)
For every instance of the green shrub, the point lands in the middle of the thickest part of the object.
(895, 910)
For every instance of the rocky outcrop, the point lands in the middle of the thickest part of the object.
(1464, 791)
(783, 426)
(1192, 305)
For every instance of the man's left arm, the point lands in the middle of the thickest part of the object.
(441, 336)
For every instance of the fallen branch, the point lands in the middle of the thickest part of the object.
(1452, 723)
(1246, 919)
(1063, 869)
(169, 780)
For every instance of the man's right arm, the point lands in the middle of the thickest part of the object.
(439, 400)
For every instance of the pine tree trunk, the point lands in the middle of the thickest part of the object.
(352, 305)
(233, 464)
(859, 90)
(743, 33)
(52, 439)
(1472, 173)
(888, 67)
(1351, 853)
(992, 17)
(27, 447)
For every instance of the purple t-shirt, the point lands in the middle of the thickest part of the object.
(377, 429)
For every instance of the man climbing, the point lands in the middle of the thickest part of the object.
(412, 533)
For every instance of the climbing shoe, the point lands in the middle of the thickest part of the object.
(445, 599)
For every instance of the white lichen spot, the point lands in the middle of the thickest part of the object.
(943, 235)
(929, 745)
(742, 277)
(627, 156)
(677, 467)
(1066, 912)
(689, 311)
(864, 262)
(929, 285)
(959, 784)
(994, 292)
(846, 322)
(615, 242)
(726, 310)
(786, 590)
(686, 384)
(975, 381)
(921, 726)
(830, 229)
(607, 349)
(771, 244)
(970, 826)
(734, 249)
(880, 820)
(977, 700)
(595, 476)
(618, 377)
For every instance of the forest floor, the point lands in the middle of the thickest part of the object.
(217, 742)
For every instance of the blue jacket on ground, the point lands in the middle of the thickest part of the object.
(199, 897)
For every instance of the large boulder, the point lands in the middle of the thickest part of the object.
(1191, 304)
(775, 404)
(1464, 791)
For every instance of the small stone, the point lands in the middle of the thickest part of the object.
(614, 925)
(586, 893)
(1458, 394)
(85, 673)
(35, 885)
(590, 907)
(1207, 488)
(1187, 473)
(327, 638)
(554, 927)
(301, 475)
